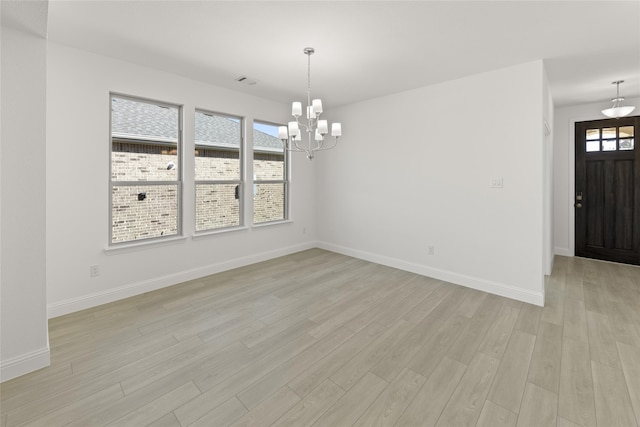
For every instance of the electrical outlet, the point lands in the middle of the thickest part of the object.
(431, 250)
(94, 270)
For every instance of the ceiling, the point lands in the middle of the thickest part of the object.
(364, 49)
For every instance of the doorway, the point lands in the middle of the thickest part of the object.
(607, 197)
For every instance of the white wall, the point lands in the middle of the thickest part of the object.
(413, 170)
(24, 344)
(78, 105)
(564, 167)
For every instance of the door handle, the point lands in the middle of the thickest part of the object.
(578, 205)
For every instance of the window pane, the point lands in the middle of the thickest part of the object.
(626, 131)
(593, 133)
(626, 144)
(144, 121)
(143, 212)
(609, 133)
(143, 162)
(144, 141)
(593, 145)
(269, 164)
(217, 206)
(268, 202)
(217, 151)
(268, 153)
(609, 145)
(216, 165)
(268, 167)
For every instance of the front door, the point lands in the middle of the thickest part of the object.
(607, 198)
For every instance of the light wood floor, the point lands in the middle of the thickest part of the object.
(321, 339)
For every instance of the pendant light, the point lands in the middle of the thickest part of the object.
(618, 110)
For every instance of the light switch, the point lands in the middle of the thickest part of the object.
(496, 182)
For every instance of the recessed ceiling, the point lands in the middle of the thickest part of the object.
(363, 49)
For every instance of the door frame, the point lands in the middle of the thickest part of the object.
(572, 185)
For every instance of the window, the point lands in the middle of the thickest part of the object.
(270, 170)
(610, 139)
(218, 173)
(145, 172)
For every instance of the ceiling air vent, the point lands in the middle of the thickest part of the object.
(246, 80)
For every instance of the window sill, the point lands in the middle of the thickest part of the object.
(133, 247)
(204, 234)
(267, 224)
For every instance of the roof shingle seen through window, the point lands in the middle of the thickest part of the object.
(141, 120)
(147, 121)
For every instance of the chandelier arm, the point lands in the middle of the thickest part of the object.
(298, 148)
(321, 148)
(309, 126)
(305, 126)
(287, 146)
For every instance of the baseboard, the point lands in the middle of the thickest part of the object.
(24, 364)
(562, 251)
(99, 298)
(531, 297)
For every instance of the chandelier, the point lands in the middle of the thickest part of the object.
(316, 129)
(618, 110)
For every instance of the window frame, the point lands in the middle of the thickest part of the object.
(178, 182)
(239, 181)
(285, 181)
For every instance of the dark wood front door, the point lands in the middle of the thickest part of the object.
(607, 199)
